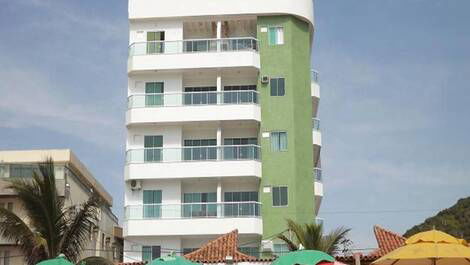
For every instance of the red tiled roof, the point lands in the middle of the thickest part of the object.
(217, 251)
(386, 240)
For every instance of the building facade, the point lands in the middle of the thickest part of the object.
(222, 124)
(75, 183)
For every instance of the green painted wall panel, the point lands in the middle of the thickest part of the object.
(291, 113)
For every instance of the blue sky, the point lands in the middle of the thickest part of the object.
(394, 99)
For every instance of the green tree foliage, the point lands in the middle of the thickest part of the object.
(454, 221)
(312, 237)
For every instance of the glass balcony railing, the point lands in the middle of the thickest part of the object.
(317, 176)
(199, 153)
(314, 76)
(193, 210)
(193, 46)
(192, 99)
(316, 124)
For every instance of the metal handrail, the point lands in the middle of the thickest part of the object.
(194, 153)
(172, 99)
(317, 174)
(315, 76)
(316, 124)
(193, 45)
(249, 209)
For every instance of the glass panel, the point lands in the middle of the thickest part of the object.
(154, 88)
(156, 252)
(272, 36)
(279, 35)
(281, 87)
(273, 83)
(283, 141)
(274, 141)
(276, 196)
(147, 253)
(284, 196)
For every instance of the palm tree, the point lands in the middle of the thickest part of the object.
(47, 228)
(311, 236)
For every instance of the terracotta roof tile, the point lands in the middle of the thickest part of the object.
(217, 250)
(388, 241)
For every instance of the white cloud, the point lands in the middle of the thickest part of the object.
(30, 99)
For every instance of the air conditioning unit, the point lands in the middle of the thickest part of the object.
(136, 185)
(264, 79)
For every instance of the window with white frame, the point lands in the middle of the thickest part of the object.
(278, 141)
(276, 35)
(280, 196)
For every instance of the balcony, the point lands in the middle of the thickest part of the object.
(317, 188)
(192, 218)
(316, 134)
(317, 175)
(315, 91)
(189, 162)
(193, 106)
(193, 54)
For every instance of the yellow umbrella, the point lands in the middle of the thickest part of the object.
(429, 248)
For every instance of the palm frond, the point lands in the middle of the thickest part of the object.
(313, 236)
(298, 230)
(13, 228)
(290, 244)
(41, 203)
(77, 232)
(336, 241)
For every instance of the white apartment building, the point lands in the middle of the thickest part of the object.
(222, 128)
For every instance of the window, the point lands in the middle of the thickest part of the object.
(153, 91)
(200, 95)
(200, 149)
(22, 171)
(102, 240)
(280, 196)
(6, 257)
(150, 253)
(188, 250)
(9, 205)
(202, 204)
(3, 171)
(241, 196)
(277, 87)
(276, 35)
(233, 150)
(152, 203)
(240, 94)
(154, 42)
(280, 249)
(153, 144)
(251, 251)
(241, 209)
(278, 141)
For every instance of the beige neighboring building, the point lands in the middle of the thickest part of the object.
(76, 184)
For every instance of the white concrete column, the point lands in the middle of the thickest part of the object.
(219, 81)
(219, 35)
(219, 198)
(219, 143)
(219, 29)
(219, 88)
